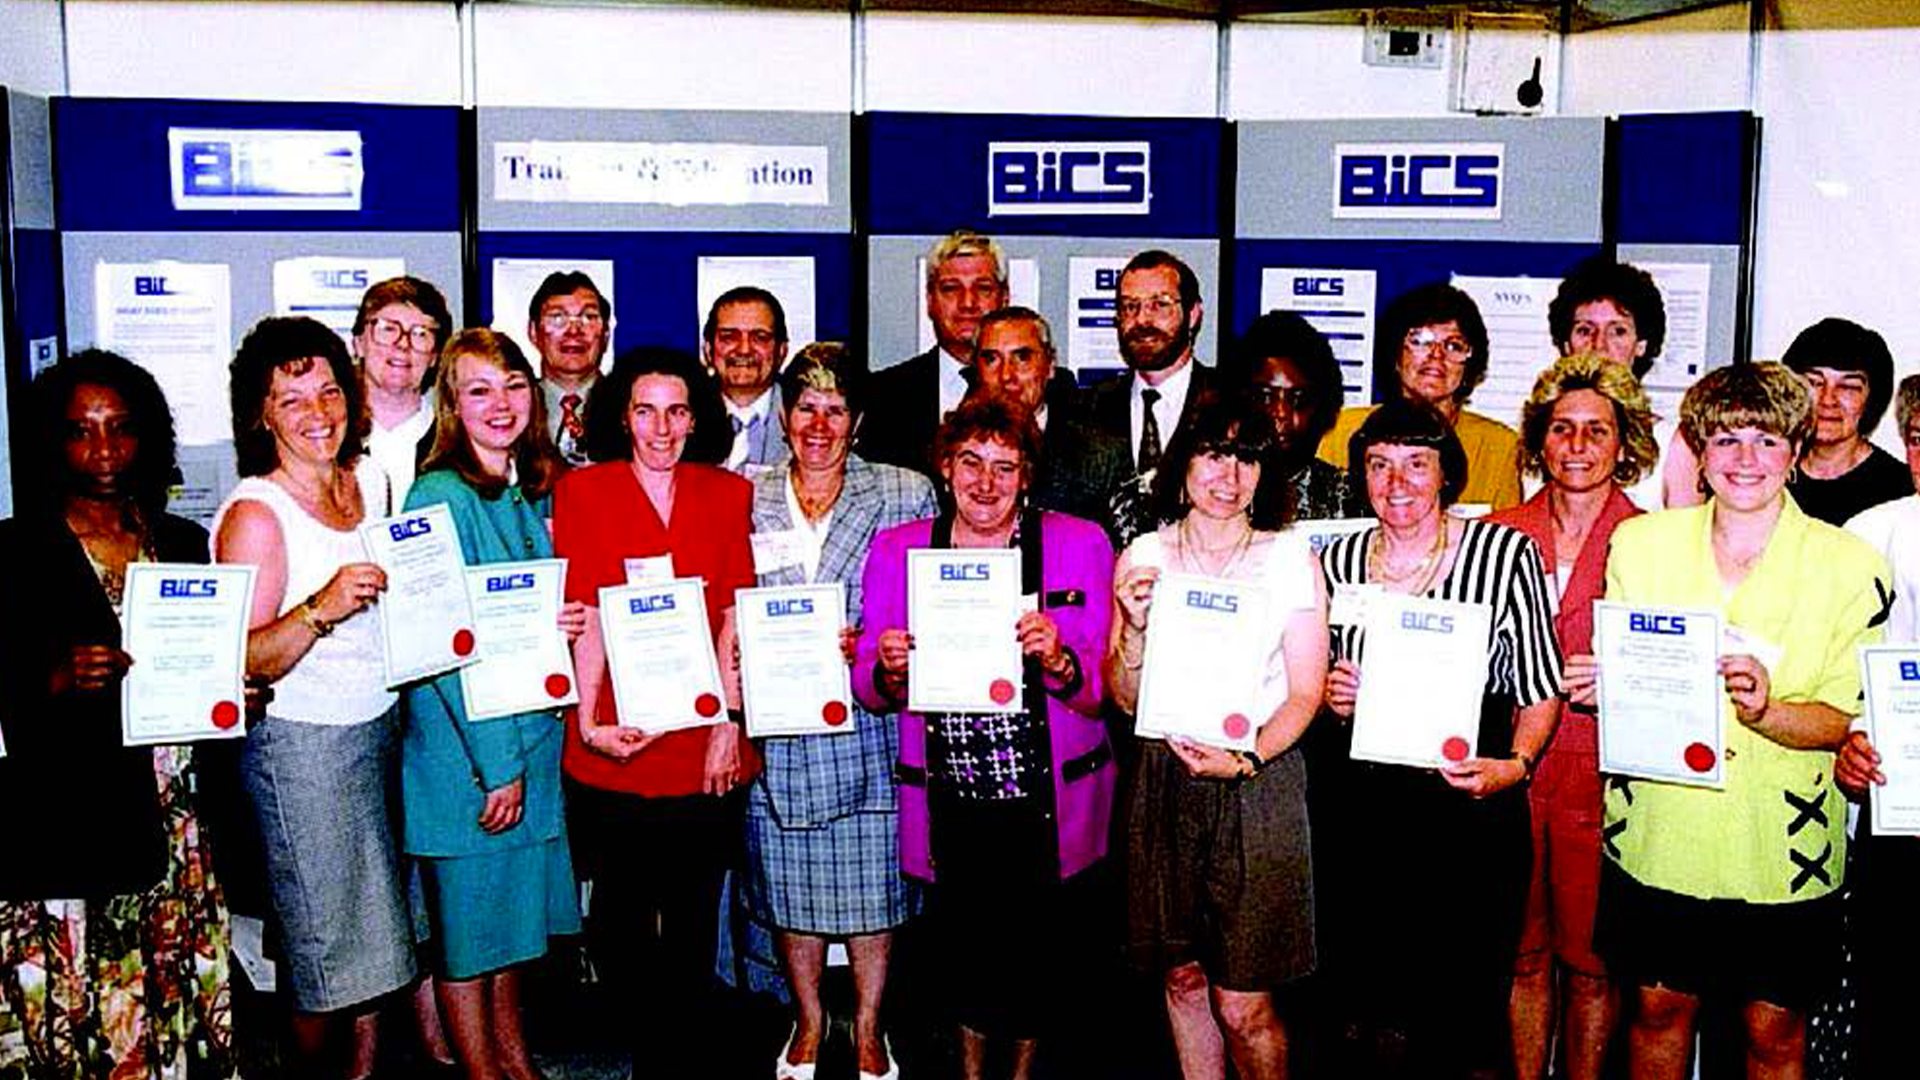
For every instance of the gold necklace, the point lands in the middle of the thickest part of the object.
(1191, 551)
(815, 509)
(1425, 570)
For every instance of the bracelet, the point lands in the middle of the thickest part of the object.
(1527, 764)
(1252, 760)
(309, 612)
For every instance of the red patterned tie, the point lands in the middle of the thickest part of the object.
(570, 418)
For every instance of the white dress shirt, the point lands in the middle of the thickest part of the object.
(1166, 411)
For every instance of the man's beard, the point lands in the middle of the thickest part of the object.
(1143, 352)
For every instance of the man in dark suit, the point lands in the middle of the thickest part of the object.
(744, 341)
(1079, 466)
(1159, 313)
(966, 278)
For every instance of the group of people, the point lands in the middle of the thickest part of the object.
(1513, 908)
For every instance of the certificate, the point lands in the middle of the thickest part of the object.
(962, 604)
(426, 620)
(1421, 681)
(1661, 714)
(660, 654)
(1205, 661)
(524, 664)
(793, 674)
(186, 628)
(1890, 675)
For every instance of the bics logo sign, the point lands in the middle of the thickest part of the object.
(964, 572)
(1642, 622)
(412, 527)
(1427, 621)
(509, 582)
(1211, 601)
(644, 605)
(1419, 181)
(798, 606)
(1319, 286)
(152, 285)
(355, 279)
(1909, 671)
(1069, 178)
(186, 588)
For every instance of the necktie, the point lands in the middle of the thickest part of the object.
(1149, 431)
(571, 426)
(746, 435)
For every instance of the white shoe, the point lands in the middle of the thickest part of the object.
(893, 1067)
(786, 1070)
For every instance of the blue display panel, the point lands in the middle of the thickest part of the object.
(656, 277)
(1685, 178)
(113, 167)
(931, 173)
(36, 283)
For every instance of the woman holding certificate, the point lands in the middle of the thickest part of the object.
(482, 796)
(1733, 890)
(113, 937)
(320, 767)
(649, 810)
(823, 825)
(1589, 429)
(1446, 665)
(1006, 775)
(1220, 890)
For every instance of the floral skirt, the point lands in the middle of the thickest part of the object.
(123, 987)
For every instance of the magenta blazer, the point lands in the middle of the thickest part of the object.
(1076, 574)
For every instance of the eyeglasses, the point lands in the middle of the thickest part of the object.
(1424, 340)
(1152, 305)
(389, 332)
(556, 322)
(1296, 397)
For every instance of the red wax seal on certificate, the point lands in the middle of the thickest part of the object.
(225, 715)
(1454, 749)
(707, 705)
(463, 643)
(834, 713)
(1236, 726)
(1699, 757)
(558, 685)
(1001, 691)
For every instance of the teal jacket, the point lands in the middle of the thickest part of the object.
(447, 764)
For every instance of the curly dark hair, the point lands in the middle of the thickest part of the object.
(1429, 305)
(1234, 426)
(155, 467)
(1629, 287)
(608, 437)
(288, 344)
(1285, 334)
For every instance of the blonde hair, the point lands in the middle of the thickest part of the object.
(1767, 396)
(963, 242)
(1632, 414)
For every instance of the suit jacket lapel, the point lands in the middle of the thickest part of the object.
(853, 516)
(770, 515)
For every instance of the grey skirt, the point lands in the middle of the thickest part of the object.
(325, 797)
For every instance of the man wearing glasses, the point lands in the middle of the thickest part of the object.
(569, 323)
(745, 343)
(1158, 318)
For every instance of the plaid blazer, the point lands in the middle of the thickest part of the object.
(814, 779)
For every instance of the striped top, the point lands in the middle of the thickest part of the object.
(1496, 567)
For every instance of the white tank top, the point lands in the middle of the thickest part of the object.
(341, 679)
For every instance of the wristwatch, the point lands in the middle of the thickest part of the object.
(1252, 758)
(1527, 763)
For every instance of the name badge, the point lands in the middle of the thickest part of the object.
(1348, 605)
(776, 550)
(649, 570)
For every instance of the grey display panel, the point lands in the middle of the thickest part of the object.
(832, 131)
(32, 145)
(897, 293)
(1724, 343)
(1551, 182)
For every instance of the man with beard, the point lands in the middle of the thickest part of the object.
(966, 278)
(745, 343)
(569, 322)
(1159, 316)
(1079, 466)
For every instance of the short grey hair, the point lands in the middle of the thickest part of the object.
(962, 242)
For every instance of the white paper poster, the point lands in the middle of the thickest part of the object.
(670, 173)
(788, 277)
(1686, 292)
(516, 280)
(329, 287)
(1519, 343)
(1023, 289)
(176, 320)
(1093, 335)
(1339, 304)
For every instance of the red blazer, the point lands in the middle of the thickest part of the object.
(1573, 625)
(600, 519)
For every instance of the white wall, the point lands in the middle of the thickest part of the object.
(405, 54)
(31, 51)
(1693, 62)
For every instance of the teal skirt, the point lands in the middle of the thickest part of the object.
(495, 910)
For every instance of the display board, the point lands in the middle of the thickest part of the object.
(29, 268)
(1069, 198)
(183, 223)
(666, 209)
